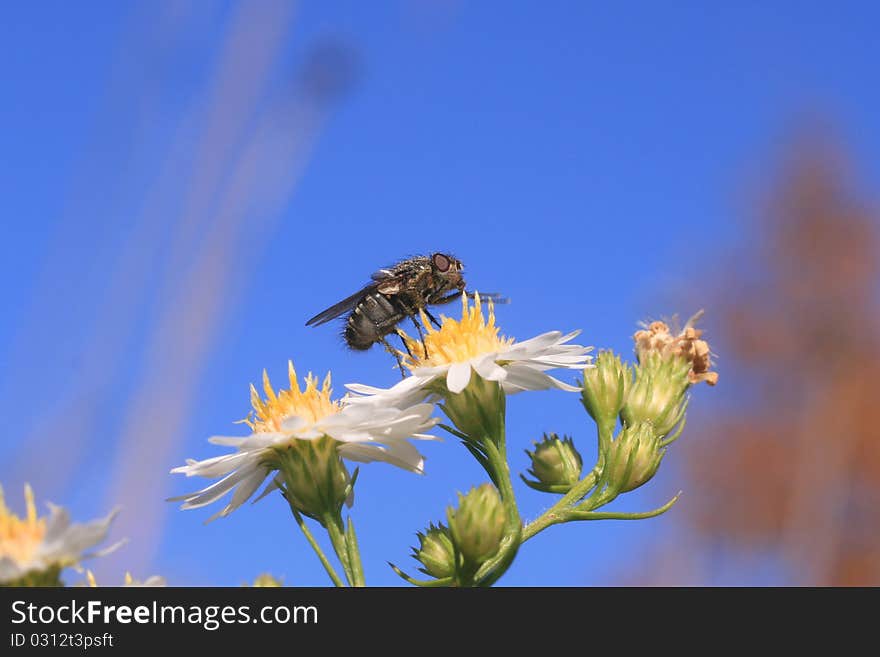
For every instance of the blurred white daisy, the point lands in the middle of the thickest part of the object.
(302, 434)
(473, 344)
(31, 546)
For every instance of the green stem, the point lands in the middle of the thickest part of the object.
(317, 548)
(556, 513)
(604, 433)
(354, 555)
(493, 569)
(333, 524)
(426, 583)
(613, 515)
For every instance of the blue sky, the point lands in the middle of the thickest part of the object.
(592, 162)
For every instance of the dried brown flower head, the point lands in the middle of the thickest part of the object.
(687, 344)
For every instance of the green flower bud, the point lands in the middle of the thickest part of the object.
(634, 457)
(556, 465)
(316, 480)
(265, 580)
(436, 552)
(477, 525)
(658, 394)
(606, 386)
(478, 410)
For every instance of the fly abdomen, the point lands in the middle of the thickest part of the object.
(374, 317)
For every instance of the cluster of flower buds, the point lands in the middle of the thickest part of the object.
(473, 536)
(655, 401)
(668, 365)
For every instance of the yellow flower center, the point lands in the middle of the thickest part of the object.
(20, 537)
(311, 404)
(456, 341)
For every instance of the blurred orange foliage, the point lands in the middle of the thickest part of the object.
(791, 467)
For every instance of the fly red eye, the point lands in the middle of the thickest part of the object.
(441, 262)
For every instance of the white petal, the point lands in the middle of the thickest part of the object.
(571, 336)
(105, 551)
(458, 377)
(562, 385)
(406, 455)
(426, 436)
(216, 490)
(310, 433)
(363, 389)
(57, 524)
(401, 454)
(273, 485)
(350, 435)
(537, 343)
(263, 439)
(216, 466)
(426, 372)
(544, 345)
(293, 424)
(64, 541)
(526, 378)
(243, 492)
(564, 360)
(358, 423)
(488, 369)
(351, 414)
(407, 392)
(226, 441)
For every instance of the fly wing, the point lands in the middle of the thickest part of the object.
(343, 306)
(403, 269)
(390, 280)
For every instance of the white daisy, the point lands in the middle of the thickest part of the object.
(472, 344)
(303, 426)
(32, 545)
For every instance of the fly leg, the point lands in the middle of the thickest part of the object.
(400, 334)
(432, 319)
(411, 313)
(421, 335)
(394, 352)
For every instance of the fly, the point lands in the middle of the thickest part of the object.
(394, 294)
